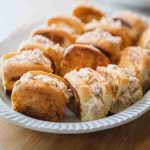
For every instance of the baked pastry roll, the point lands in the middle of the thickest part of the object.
(87, 13)
(110, 45)
(92, 94)
(133, 23)
(138, 60)
(144, 40)
(113, 27)
(56, 35)
(53, 51)
(15, 64)
(125, 85)
(40, 95)
(70, 24)
(78, 56)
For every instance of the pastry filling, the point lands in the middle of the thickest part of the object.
(111, 23)
(43, 40)
(126, 94)
(94, 105)
(95, 37)
(48, 80)
(35, 56)
(63, 26)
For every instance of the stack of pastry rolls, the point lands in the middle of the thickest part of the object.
(91, 62)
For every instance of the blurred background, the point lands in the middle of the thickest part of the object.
(17, 13)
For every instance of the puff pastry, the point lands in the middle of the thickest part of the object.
(125, 85)
(133, 23)
(144, 40)
(138, 60)
(15, 64)
(69, 24)
(56, 35)
(87, 13)
(78, 56)
(104, 41)
(53, 51)
(40, 95)
(113, 27)
(92, 94)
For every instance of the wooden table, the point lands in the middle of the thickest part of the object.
(132, 136)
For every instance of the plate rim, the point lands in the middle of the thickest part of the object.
(125, 116)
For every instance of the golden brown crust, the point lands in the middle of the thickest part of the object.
(56, 35)
(87, 13)
(72, 22)
(13, 71)
(133, 23)
(144, 40)
(53, 52)
(44, 101)
(78, 56)
(138, 60)
(105, 42)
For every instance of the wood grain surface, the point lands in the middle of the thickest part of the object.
(132, 136)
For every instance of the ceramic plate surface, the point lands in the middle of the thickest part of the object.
(70, 124)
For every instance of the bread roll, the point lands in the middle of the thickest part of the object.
(104, 41)
(137, 59)
(15, 64)
(53, 51)
(87, 13)
(133, 23)
(40, 95)
(92, 94)
(125, 85)
(78, 56)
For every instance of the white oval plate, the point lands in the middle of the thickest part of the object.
(70, 124)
